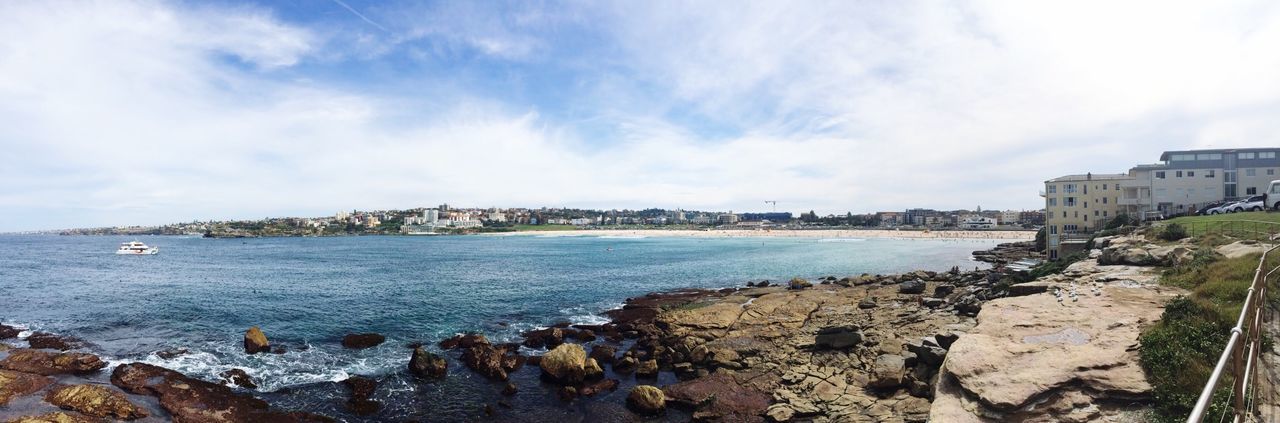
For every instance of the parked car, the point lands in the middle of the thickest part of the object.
(1205, 210)
(1253, 203)
(1224, 208)
(1274, 197)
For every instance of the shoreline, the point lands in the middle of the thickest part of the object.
(816, 233)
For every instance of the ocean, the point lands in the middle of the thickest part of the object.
(306, 293)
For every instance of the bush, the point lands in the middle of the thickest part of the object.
(1121, 219)
(1041, 243)
(1053, 267)
(1173, 232)
(1179, 353)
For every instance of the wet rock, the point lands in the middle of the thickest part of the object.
(604, 354)
(510, 389)
(362, 389)
(798, 283)
(171, 353)
(49, 341)
(943, 290)
(647, 400)
(592, 370)
(490, 361)
(56, 417)
(16, 384)
(647, 368)
(255, 341)
(194, 400)
(911, 287)
(238, 377)
(48, 363)
(591, 389)
(565, 364)
(837, 337)
(549, 338)
(867, 303)
(463, 341)
(362, 340)
(932, 302)
(425, 364)
(94, 400)
(567, 393)
(7, 332)
(624, 365)
(889, 371)
(719, 396)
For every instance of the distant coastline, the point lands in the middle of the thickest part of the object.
(804, 233)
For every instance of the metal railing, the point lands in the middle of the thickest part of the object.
(1245, 229)
(1242, 350)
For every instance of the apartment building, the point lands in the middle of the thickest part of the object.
(1182, 182)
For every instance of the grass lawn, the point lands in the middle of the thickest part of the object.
(1247, 225)
(535, 228)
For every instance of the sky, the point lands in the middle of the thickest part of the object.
(150, 112)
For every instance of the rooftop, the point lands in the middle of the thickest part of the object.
(1091, 177)
(1166, 155)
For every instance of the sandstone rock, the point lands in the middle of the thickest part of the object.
(255, 341)
(867, 303)
(647, 368)
(626, 364)
(362, 340)
(604, 354)
(49, 341)
(592, 370)
(464, 341)
(7, 332)
(565, 364)
(943, 290)
(425, 364)
(490, 361)
(362, 390)
(47, 363)
(932, 302)
(911, 287)
(171, 353)
(56, 417)
(194, 400)
(95, 401)
(591, 389)
(726, 358)
(1233, 250)
(549, 338)
(239, 378)
(567, 393)
(16, 384)
(931, 355)
(719, 396)
(798, 283)
(889, 371)
(837, 337)
(647, 400)
(780, 412)
(945, 340)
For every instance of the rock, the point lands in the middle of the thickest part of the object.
(867, 303)
(362, 389)
(56, 417)
(549, 338)
(604, 354)
(7, 332)
(725, 358)
(255, 341)
(239, 378)
(47, 363)
(193, 400)
(911, 287)
(95, 400)
(647, 368)
(463, 341)
(171, 353)
(49, 341)
(1233, 250)
(719, 396)
(647, 400)
(591, 389)
(798, 283)
(780, 412)
(943, 290)
(425, 364)
(490, 361)
(565, 364)
(889, 371)
(837, 337)
(591, 370)
(567, 393)
(945, 340)
(510, 389)
(624, 365)
(15, 384)
(932, 302)
(362, 340)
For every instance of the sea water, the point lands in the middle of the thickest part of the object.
(306, 293)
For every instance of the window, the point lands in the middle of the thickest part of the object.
(1053, 229)
(1086, 204)
(1229, 177)
(1104, 187)
(1271, 172)
(1086, 189)
(1160, 175)
(1095, 213)
(1250, 172)
(1069, 228)
(1053, 202)
(1247, 156)
(1267, 155)
(1182, 157)
(1064, 214)
(1104, 200)
(1251, 191)
(1209, 175)
(1069, 188)
(1104, 213)
(1053, 189)
(1086, 217)
(1191, 173)
(1069, 202)
(1179, 174)
(1117, 187)
(1213, 156)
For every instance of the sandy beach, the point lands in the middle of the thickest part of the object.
(738, 233)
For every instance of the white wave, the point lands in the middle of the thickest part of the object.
(842, 239)
(622, 237)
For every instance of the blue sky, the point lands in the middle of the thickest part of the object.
(148, 112)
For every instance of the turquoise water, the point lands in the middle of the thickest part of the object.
(306, 293)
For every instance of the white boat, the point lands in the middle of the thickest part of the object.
(136, 248)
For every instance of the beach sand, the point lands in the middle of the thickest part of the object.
(816, 233)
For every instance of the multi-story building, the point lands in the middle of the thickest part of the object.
(1181, 183)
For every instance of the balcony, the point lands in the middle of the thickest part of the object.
(1131, 201)
(1042, 193)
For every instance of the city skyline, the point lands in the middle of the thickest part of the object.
(151, 112)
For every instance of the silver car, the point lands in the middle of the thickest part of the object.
(1254, 203)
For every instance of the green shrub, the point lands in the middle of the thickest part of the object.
(1121, 219)
(1173, 232)
(1179, 353)
(1057, 266)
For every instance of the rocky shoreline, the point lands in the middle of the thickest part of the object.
(865, 347)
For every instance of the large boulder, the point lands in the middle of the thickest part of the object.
(798, 283)
(494, 362)
(428, 365)
(837, 337)
(566, 364)
(592, 370)
(362, 389)
(604, 354)
(56, 417)
(193, 400)
(255, 341)
(911, 287)
(646, 400)
(95, 400)
(647, 368)
(463, 341)
(889, 371)
(362, 340)
(49, 363)
(49, 341)
(719, 396)
(238, 377)
(7, 332)
(549, 338)
(16, 384)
